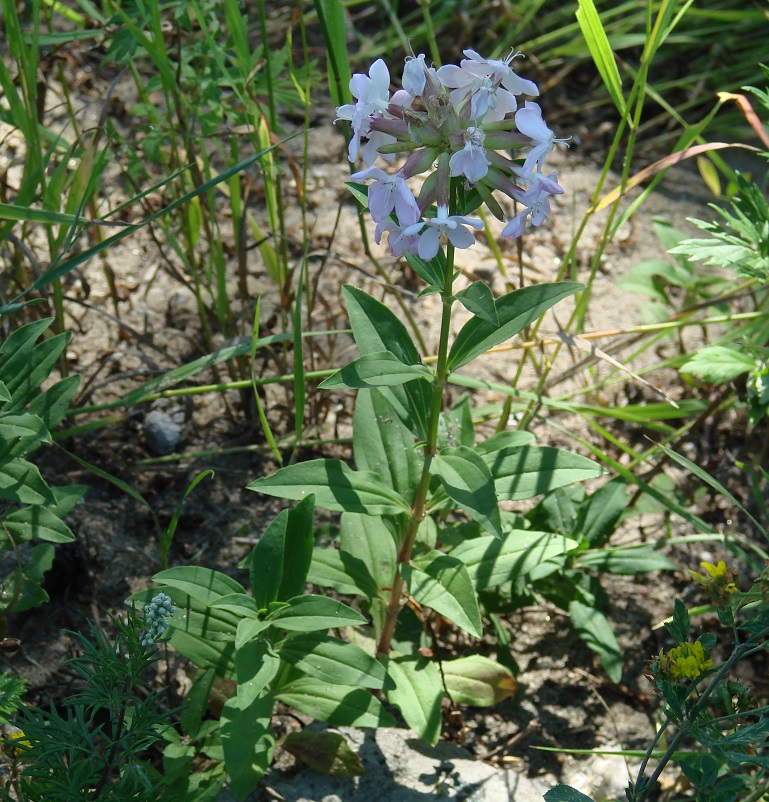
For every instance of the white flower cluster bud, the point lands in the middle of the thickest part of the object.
(156, 615)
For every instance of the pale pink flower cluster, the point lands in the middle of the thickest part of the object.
(453, 122)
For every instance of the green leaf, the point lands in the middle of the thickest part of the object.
(279, 562)
(417, 692)
(717, 364)
(248, 629)
(515, 311)
(593, 627)
(339, 705)
(325, 752)
(310, 613)
(20, 434)
(522, 473)
(441, 582)
(248, 742)
(626, 560)
(502, 440)
(5, 396)
(238, 603)
(565, 793)
(336, 487)
(427, 270)
(376, 369)
(383, 445)
(337, 569)
(679, 626)
(477, 680)
(34, 368)
(205, 653)
(255, 667)
(467, 481)
(377, 328)
(491, 562)
(600, 50)
(332, 660)
(35, 522)
(53, 404)
(601, 513)
(479, 299)
(201, 584)
(372, 541)
(196, 703)
(20, 481)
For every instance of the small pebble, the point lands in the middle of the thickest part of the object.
(161, 432)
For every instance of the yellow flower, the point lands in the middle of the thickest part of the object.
(16, 736)
(718, 581)
(687, 660)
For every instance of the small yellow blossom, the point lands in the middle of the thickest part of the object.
(17, 736)
(718, 580)
(687, 660)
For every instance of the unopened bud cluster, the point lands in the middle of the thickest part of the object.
(452, 122)
(156, 617)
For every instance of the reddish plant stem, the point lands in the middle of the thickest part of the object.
(419, 508)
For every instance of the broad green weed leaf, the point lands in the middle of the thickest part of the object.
(256, 665)
(383, 445)
(335, 486)
(371, 540)
(339, 705)
(565, 793)
(502, 440)
(20, 481)
(248, 742)
(206, 653)
(333, 661)
(718, 364)
(479, 299)
(35, 368)
(248, 629)
(310, 613)
(468, 482)
(593, 627)
(515, 311)
(417, 692)
(601, 513)
(53, 404)
(337, 569)
(20, 434)
(238, 603)
(477, 680)
(491, 562)
(196, 703)
(376, 369)
(627, 560)
(377, 328)
(522, 473)
(279, 562)
(34, 522)
(202, 584)
(441, 582)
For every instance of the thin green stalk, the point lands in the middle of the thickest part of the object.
(419, 509)
(432, 42)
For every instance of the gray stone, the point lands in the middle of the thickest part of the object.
(161, 432)
(401, 768)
